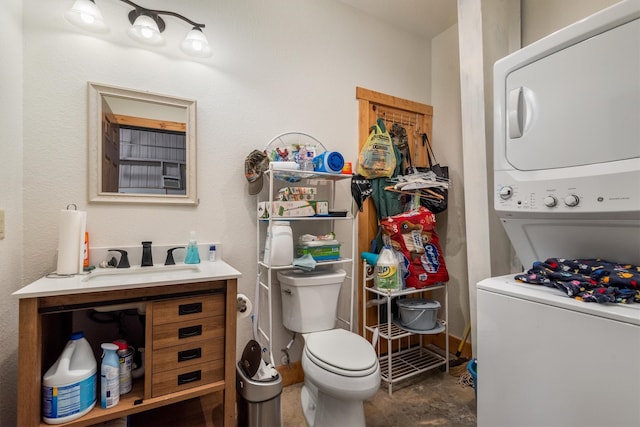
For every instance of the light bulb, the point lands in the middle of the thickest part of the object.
(85, 14)
(145, 30)
(89, 19)
(196, 44)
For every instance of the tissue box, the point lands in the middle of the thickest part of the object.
(293, 208)
(297, 193)
(320, 250)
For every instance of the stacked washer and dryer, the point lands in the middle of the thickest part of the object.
(567, 185)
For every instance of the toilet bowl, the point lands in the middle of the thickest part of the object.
(340, 368)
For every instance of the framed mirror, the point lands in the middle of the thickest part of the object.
(142, 146)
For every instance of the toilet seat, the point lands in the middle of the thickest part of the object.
(341, 352)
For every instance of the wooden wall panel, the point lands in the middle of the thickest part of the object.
(417, 119)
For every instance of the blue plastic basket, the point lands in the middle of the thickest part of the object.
(472, 367)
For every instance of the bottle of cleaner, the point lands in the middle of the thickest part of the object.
(192, 256)
(125, 359)
(69, 385)
(109, 376)
(387, 276)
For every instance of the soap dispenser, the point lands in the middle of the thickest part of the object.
(192, 257)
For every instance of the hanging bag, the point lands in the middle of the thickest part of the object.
(434, 204)
(377, 159)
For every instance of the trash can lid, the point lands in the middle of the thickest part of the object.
(250, 360)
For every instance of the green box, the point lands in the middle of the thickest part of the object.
(320, 250)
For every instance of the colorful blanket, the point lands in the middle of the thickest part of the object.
(590, 280)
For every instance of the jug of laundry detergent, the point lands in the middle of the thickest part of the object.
(387, 275)
(69, 385)
(278, 248)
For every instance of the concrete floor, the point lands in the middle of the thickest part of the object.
(434, 398)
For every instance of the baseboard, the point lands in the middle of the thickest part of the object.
(454, 343)
(293, 374)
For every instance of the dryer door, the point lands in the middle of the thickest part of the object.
(577, 105)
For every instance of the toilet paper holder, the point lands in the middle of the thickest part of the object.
(243, 305)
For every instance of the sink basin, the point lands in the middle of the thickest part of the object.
(155, 274)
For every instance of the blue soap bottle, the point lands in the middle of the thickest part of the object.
(109, 376)
(192, 257)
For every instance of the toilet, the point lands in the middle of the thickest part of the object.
(341, 368)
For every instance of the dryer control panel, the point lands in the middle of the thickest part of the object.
(516, 191)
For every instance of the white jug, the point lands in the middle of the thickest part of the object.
(278, 249)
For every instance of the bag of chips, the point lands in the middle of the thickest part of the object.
(413, 234)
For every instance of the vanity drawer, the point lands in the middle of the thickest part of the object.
(187, 377)
(178, 310)
(185, 355)
(187, 332)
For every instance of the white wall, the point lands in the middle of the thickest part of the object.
(11, 251)
(447, 146)
(542, 17)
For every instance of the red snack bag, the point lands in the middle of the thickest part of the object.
(413, 234)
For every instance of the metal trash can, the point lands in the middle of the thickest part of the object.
(258, 401)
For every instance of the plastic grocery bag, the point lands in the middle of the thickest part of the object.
(377, 159)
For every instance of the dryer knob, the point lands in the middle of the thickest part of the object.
(571, 200)
(550, 201)
(505, 192)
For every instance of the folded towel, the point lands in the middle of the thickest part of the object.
(305, 262)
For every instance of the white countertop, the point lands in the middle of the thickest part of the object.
(110, 279)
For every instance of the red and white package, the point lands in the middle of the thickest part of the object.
(413, 234)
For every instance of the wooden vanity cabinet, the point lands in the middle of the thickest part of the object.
(187, 343)
(190, 335)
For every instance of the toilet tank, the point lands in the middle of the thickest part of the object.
(310, 299)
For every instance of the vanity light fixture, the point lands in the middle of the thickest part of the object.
(146, 25)
(85, 14)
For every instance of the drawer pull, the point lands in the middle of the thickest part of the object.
(194, 353)
(191, 331)
(189, 377)
(193, 308)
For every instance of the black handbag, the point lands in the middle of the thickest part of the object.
(436, 202)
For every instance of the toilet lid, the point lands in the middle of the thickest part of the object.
(341, 352)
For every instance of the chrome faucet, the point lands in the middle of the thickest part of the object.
(147, 257)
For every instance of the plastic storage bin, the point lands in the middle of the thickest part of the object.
(418, 313)
(258, 401)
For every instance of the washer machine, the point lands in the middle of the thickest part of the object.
(567, 185)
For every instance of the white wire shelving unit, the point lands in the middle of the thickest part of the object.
(406, 356)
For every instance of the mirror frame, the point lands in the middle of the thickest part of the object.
(96, 93)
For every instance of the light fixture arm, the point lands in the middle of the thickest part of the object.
(154, 14)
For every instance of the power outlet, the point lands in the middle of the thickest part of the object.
(1, 224)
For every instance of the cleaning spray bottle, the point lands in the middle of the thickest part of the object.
(192, 257)
(387, 276)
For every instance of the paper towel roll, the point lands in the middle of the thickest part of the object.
(245, 308)
(71, 228)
